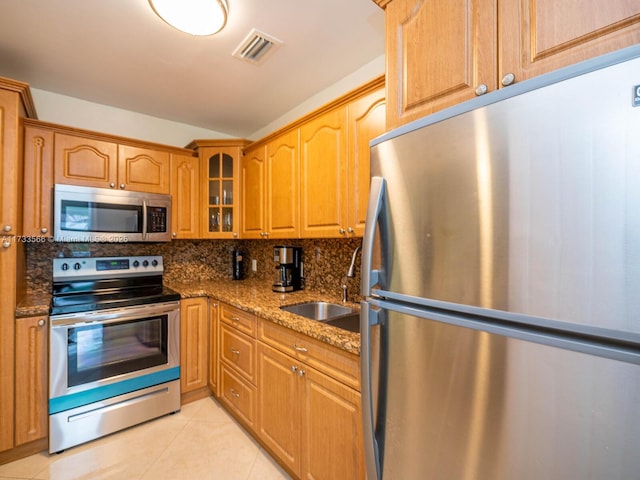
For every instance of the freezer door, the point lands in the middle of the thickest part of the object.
(443, 401)
(527, 206)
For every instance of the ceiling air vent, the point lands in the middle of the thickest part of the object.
(256, 47)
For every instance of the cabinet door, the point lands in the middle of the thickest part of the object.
(31, 379)
(143, 169)
(185, 196)
(9, 166)
(252, 184)
(438, 53)
(323, 174)
(38, 182)
(86, 162)
(279, 405)
(538, 36)
(220, 186)
(283, 184)
(331, 410)
(193, 344)
(366, 120)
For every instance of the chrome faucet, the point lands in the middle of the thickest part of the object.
(350, 274)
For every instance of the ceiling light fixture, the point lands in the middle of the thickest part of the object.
(197, 17)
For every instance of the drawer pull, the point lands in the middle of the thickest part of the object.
(235, 319)
(299, 349)
(234, 393)
(235, 351)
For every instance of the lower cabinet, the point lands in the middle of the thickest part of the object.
(31, 416)
(193, 347)
(309, 420)
(238, 363)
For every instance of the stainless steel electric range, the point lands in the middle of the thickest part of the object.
(114, 356)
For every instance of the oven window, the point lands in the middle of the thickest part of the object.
(101, 351)
(78, 216)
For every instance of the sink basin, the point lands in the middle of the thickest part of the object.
(318, 310)
(349, 322)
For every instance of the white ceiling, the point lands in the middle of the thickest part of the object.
(119, 53)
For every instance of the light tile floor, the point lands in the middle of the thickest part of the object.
(202, 441)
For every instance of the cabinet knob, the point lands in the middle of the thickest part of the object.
(235, 234)
(7, 228)
(294, 368)
(122, 186)
(174, 234)
(44, 230)
(42, 322)
(342, 231)
(508, 79)
(112, 185)
(301, 372)
(481, 89)
(6, 242)
(349, 230)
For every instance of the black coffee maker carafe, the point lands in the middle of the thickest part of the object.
(288, 274)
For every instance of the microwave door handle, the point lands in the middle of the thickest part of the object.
(144, 220)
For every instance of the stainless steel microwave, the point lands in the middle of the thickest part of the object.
(87, 214)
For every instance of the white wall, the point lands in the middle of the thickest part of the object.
(74, 112)
(352, 81)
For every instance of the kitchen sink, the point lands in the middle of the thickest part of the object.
(333, 314)
(318, 310)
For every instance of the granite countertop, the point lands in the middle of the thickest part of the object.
(256, 296)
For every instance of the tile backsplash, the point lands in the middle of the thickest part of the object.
(326, 261)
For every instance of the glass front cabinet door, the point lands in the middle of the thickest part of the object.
(220, 169)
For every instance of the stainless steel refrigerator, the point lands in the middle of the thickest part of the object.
(501, 271)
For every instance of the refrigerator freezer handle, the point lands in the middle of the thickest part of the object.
(376, 215)
(368, 318)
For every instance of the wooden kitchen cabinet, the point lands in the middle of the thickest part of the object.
(37, 218)
(439, 54)
(309, 420)
(219, 186)
(143, 169)
(94, 162)
(252, 185)
(323, 175)
(194, 340)
(238, 367)
(31, 414)
(185, 196)
(270, 184)
(85, 161)
(366, 119)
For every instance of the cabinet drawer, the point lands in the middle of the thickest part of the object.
(238, 395)
(238, 319)
(341, 365)
(239, 351)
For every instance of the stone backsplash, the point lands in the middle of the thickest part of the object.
(326, 261)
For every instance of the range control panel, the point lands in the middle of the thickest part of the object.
(106, 267)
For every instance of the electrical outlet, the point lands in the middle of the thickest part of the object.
(254, 265)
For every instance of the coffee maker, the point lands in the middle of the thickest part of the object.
(288, 274)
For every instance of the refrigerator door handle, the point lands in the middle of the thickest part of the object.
(376, 216)
(368, 318)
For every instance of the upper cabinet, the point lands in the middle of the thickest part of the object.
(441, 53)
(100, 163)
(323, 175)
(220, 190)
(185, 196)
(38, 181)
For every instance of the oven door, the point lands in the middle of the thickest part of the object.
(98, 355)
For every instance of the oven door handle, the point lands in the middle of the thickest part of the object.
(112, 316)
